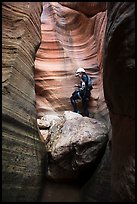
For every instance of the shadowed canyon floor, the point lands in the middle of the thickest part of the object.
(60, 192)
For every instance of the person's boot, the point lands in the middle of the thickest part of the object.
(86, 113)
(76, 111)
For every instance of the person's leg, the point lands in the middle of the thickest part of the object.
(73, 98)
(85, 106)
(73, 102)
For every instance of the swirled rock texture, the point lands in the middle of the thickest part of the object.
(72, 36)
(23, 153)
(119, 90)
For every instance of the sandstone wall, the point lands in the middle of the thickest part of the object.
(22, 150)
(72, 36)
(119, 90)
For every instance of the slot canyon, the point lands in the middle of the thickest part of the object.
(50, 153)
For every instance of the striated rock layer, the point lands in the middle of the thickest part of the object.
(119, 90)
(22, 151)
(72, 36)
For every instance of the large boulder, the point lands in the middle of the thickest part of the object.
(75, 143)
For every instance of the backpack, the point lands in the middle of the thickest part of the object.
(89, 85)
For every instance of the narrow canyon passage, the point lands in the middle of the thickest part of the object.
(45, 143)
(63, 49)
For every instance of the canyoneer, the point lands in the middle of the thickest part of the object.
(82, 91)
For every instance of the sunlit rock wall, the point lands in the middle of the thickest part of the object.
(72, 36)
(119, 90)
(22, 150)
